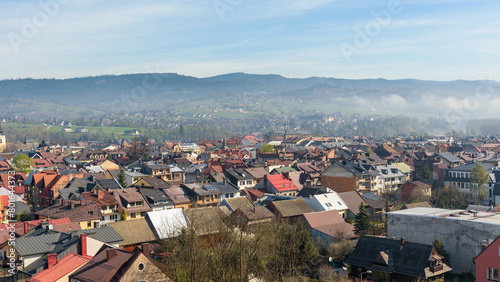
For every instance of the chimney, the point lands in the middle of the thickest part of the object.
(51, 260)
(26, 227)
(72, 204)
(83, 244)
(484, 245)
(403, 240)
(110, 253)
(145, 249)
(100, 194)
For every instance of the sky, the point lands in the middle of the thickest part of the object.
(432, 40)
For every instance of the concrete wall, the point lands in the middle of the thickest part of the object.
(460, 238)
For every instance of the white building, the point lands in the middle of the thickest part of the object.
(460, 232)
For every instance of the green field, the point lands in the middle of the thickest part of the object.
(107, 131)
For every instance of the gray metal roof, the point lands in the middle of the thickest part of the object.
(104, 234)
(42, 244)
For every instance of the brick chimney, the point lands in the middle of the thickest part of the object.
(100, 194)
(146, 249)
(403, 241)
(51, 260)
(83, 244)
(26, 227)
(110, 253)
(72, 204)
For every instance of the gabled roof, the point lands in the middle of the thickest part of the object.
(128, 231)
(177, 195)
(204, 220)
(167, 223)
(64, 267)
(410, 259)
(330, 223)
(281, 183)
(104, 234)
(77, 211)
(257, 172)
(109, 184)
(242, 203)
(99, 268)
(289, 208)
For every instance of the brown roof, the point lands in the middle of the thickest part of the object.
(81, 211)
(257, 213)
(130, 195)
(99, 268)
(177, 195)
(128, 230)
(242, 203)
(330, 223)
(258, 172)
(352, 199)
(204, 220)
(289, 208)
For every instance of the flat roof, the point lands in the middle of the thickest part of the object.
(482, 217)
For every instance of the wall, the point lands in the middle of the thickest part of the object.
(460, 238)
(339, 184)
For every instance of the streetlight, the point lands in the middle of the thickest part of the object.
(367, 272)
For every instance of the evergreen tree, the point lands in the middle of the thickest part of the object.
(441, 251)
(121, 179)
(362, 220)
(123, 215)
(426, 172)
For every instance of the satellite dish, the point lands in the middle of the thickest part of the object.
(51, 227)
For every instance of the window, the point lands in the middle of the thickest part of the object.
(89, 223)
(132, 215)
(143, 214)
(492, 274)
(91, 212)
(141, 266)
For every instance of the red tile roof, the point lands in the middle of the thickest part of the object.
(281, 183)
(64, 267)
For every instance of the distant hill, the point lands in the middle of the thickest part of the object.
(94, 93)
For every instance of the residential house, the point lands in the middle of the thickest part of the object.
(167, 223)
(353, 200)
(257, 173)
(87, 213)
(107, 203)
(390, 178)
(112, 264)
(157, 199)
(350, 176)
(327, 202)
(396, 260)
(76, 187)
(290, 210)
(461, 177)
(447, 158)
(227, 190)
(280, 184)
(132, 202)
(249, 217)
(152, 183)
(131, 238)
(488, 261)
(240, 178)
(179, 197)
(202, 194)
(107, 184)
(409, 189)
(328, 227)
(60, 270)
(405, 169)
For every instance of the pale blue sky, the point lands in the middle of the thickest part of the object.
(438, 40)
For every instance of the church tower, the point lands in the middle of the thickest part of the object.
(3, 141)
